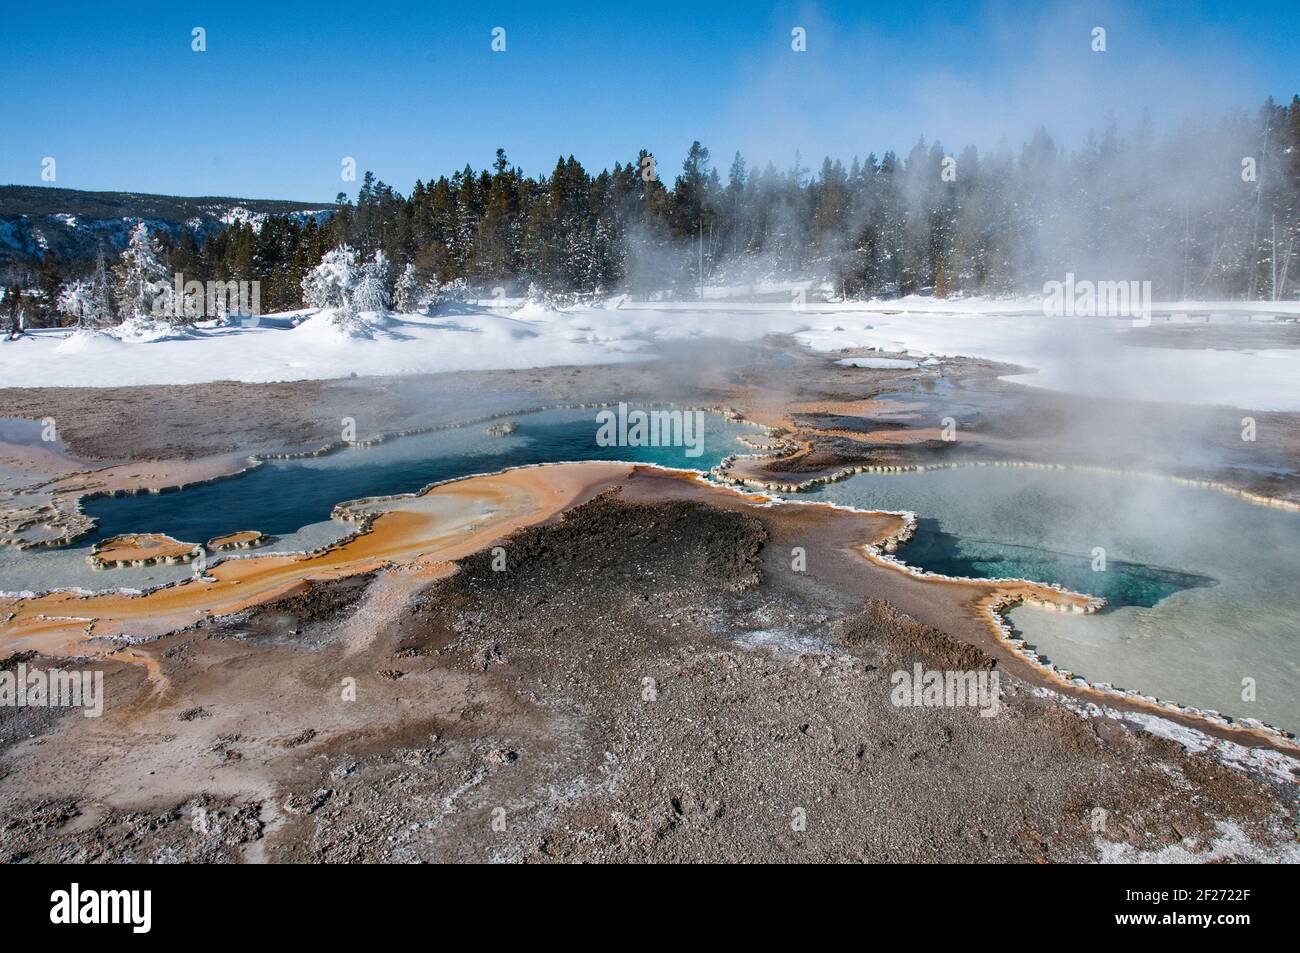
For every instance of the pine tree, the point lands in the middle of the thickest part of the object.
(371, 290)
(14, 300)
(141, 277)
(100, 312)
(406, 295)
(1177, 209)
(186, 257)
(330, 284)
(73, 300)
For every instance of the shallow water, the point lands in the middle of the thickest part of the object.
(283, 495)
(1202, 586)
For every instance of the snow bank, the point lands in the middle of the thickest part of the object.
(1089, 356)
(878, 363)
(332, 327)
(534, 308)
(148, 331)
(317, 347)
(87, 341)
(1094, 357)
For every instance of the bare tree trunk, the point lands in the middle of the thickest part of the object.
(1286, 266)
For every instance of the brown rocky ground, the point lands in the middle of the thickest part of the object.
(648, 679)
(506, 715)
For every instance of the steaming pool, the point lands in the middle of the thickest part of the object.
(1201, 585)
(290, 500)
(281, 496)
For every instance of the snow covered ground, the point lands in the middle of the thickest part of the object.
(1089, 356)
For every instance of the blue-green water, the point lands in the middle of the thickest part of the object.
(1028, 524)
(1201, 586)
(1122, 583)
(283, 495)
(1204, 607)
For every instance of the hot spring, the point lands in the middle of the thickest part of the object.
(291, 499)
(281, 496)
(1203, 604)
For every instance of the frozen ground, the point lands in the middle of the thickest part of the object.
(1089, 356)
(1097, 356)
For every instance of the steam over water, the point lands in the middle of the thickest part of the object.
(283, 495)
(1202, 586)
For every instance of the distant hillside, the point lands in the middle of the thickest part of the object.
(73, 224)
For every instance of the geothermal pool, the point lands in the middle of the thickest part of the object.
(282, 496)
(1202, 586)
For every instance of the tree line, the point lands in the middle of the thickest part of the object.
(1209, 210)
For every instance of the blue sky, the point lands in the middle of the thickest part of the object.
(284, 91)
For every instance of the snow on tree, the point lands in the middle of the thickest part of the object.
(931, 220)
(455, 291)
(13, 303)
(371, 291)
(382, 270)
(74, 300)
(331, 283)
(406, 296)
(88, 300)
(101, 295)
(141, 276)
